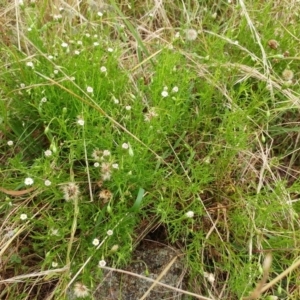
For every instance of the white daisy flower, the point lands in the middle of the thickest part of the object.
(102, 263)
(164, 94)
(23, 217)
(96, 242)
(190, 214)
(89, 89)
(28, 181)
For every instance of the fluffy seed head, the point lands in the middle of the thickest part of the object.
(105, 167)
(273, 44)
(191, 34)
(106, 176)
(287, 75)
(71, 191)
(105, 195)
(80, 290)
(97, 154)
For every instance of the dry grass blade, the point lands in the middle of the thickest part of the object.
(266, 64)
(229, 41)
(21, 278)
(293, 267)
(204, 126)
(8, 243)
(16, 193)
(256, 37)
(259, 288)
(160, 276)
(272, 81)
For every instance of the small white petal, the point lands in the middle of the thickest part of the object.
(210, 277)
(54, 264)
(47, 182)
(164, 94)
(103, 69)
(125, 146)
(89, 89)
(102, 263)
(96, 242)
(175, 89)
(30, 64)
(28, 181)
(23, 217)
(106, 153)
(54, 231)
(48, 153)
(190, 214)
(80, 122)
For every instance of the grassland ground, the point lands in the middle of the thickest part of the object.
(174, 121)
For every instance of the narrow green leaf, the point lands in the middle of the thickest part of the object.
(138, 201)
